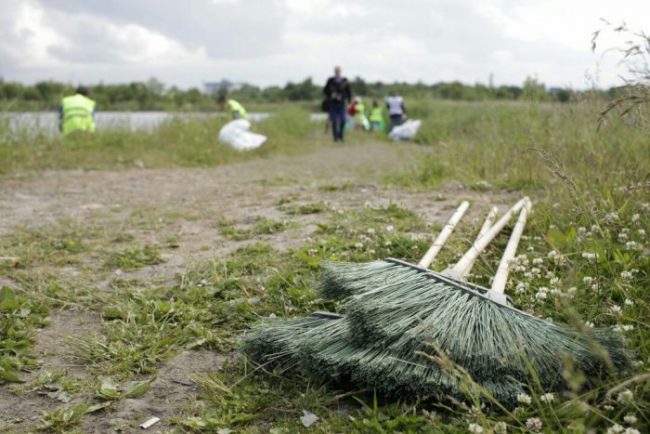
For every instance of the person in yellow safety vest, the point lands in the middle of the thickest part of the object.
(376, 117)
(236, 110)
(77, 112)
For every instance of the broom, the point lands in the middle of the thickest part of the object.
(481, 333)
(342, 279)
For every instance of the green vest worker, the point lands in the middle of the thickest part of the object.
(77, 113)
(376, 117)
(236, 110)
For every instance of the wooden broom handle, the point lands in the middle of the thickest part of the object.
(442, 237)
(501, 277)
(480, 244)
(489, 219)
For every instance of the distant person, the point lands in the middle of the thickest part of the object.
(236, 110)
(396, 109)
(337, 94)
(77, 112)
(359, 116)
(376, 117)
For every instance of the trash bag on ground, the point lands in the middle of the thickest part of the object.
(406, 131)
(237, 135)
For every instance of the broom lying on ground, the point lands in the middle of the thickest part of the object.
(501, 348)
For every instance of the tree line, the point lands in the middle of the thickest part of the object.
(154, 95)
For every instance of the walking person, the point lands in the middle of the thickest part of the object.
(337, 92)
(77, 112)
(396, 109)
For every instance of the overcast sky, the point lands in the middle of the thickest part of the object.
(187, 42)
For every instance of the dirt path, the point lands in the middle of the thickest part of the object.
(188, 204)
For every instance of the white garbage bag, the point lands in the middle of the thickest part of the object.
(406, 131)
(235, 133)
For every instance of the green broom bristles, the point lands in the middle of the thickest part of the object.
(487, 339)
(340, 280)
(393, 371)
(276, 341)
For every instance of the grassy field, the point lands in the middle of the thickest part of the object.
(585, 261)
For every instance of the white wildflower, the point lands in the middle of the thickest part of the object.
(622, 237)
(358, 245)
(589, 324)
(390, 228)
(536, 271)
(554, 281)
(587, 280)
(626, 275)
(594, 286)
(590, 256)
(538, 261)
(542, 289)
(630, 418)
(612, 217)
(635, 218)
(632, 245)
(530, 249)
(631, 431)
(387, 243)
(524, 398)
(582, 230)
(475, 428)
(541, 296)
(272, 316)
(615, 429)
(641, 233)
(629, 302)
(370, 231)
(371, 251)
(534, 424)
(595, 228)
(628, 327)
(608, 407)
(547, 397)
(521, 287)
(625, 396)
(616, 310)
(550, 275)
(500, 428)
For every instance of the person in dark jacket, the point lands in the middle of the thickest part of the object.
(337, 95)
